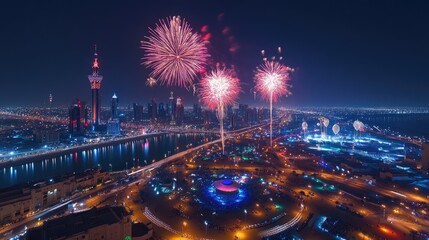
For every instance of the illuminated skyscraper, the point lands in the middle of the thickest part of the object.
(171, 109)
(152, 110)
(95, 80)
(78, 118)
(138, 112)
(161, 111)
(115, 102)
(180, 110)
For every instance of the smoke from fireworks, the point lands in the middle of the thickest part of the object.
(219, 88)
(174, 53)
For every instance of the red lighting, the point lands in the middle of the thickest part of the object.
(95, 65)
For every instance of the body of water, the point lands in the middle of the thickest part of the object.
(115, 157)
(416, 124)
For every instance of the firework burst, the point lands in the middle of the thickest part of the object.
(174, 53)
(220, 88)
(151, 82)
(271, 82)
(272, 79)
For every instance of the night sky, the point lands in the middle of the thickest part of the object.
(346, 53)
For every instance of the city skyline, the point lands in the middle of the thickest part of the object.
(338, 63)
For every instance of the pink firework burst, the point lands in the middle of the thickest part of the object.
(219, 88)
(272, 79)
(174, 53)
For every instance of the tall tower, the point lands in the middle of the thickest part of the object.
(51, 98)
(115, 102)
(172, 109)
(95, 80)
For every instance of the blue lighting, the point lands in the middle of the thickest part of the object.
(227, 182)
(225, 200)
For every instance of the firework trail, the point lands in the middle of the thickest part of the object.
(219, 88)
(174, 53)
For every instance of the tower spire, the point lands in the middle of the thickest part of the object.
(95, 65)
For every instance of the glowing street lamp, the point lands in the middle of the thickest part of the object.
(184, 225)
(206, 223)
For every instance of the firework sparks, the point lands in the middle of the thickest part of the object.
(271, 82)
(271, 79)
(174, 53)
(220, 88)
(151, 82)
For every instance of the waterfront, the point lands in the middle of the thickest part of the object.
(113, 157)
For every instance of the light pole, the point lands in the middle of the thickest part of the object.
(206, 223)
(245, 214)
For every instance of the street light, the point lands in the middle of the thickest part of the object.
(245, 214)
(206, 223)
(184, 225)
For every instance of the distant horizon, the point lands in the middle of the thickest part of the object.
(265, 105)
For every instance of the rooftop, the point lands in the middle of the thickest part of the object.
(78, 222)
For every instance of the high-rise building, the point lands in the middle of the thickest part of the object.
(152, 109)
(171, 111)
(115, 102)
(138, 112)
(207, 119)
(78, 120)
(113, 127)
(95, 80)
(229, 111)
(180, 110)
(425, 156)
(161, 111)
(197, 111)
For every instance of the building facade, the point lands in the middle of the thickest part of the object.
(78, 118)
(114, 110)
(106, 223)
(16, 203)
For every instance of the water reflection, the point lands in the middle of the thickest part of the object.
(115, 157)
